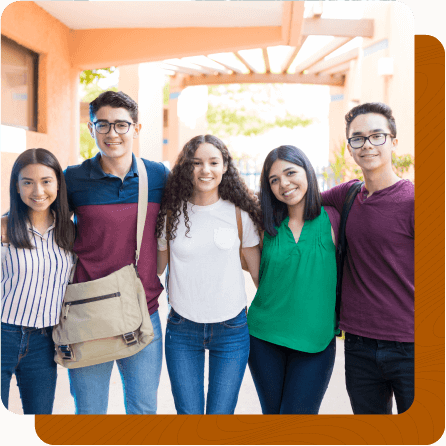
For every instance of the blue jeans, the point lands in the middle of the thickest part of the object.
(228, 345)
(375, 370)
(140, 375)
(29, 353)
(290, 381)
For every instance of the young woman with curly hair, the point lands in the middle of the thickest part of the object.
(206, 282)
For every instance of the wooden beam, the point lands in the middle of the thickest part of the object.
(157, 44)
(212, 70)
(287, 63)
(266, 60)
(229, 67)
(263, 78)
(336, 43)
(338, 27)
(297, 20)
(333, 62)
(338, 69)
(244, 62)
(181, 69)
(287, 10)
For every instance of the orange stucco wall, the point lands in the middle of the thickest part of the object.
(57, 128)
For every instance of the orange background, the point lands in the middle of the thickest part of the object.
(423, 423)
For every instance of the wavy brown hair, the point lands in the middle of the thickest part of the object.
(179, 188)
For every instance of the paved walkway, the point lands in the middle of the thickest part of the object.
(336, 400)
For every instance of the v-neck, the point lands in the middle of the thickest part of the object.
(287, 221)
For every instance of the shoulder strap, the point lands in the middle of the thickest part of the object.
(5, 230)
(168, 219)
(143, 198)
(238, 216)
(341, 249)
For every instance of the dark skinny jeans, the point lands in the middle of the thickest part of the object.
(290, 381)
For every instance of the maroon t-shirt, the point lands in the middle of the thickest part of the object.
(378, 280)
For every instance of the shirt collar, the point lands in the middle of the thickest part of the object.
(51, 227)
(98, 173)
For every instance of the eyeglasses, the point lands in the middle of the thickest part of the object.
(377, 139)
(121, 127)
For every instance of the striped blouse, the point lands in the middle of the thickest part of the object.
(34, 281)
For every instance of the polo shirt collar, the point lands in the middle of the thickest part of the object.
(98, 173)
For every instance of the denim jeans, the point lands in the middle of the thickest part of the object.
(290, 381)
(140, 375)
(375, 370)
(28, 353)
(228, 345)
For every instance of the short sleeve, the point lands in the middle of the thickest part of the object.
(161, 241)
(250, 234)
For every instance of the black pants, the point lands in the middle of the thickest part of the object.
(290, 381)
(375, 370)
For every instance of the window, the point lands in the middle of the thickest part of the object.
(19, 85)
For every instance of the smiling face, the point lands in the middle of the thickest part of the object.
(112, 144)
(209, 168)
(288, 183)
(37, 186)
(369, 157)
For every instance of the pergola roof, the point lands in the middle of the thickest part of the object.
(213, 42)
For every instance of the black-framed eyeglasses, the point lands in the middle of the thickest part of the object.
(121, 127)
(377, 139)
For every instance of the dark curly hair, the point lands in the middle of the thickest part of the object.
(179, 188)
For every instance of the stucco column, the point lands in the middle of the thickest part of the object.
(150, 100)
(129, 84)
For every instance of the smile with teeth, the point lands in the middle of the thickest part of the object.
(289, 192)
(40, 200)
(112, 143)
(205, 179)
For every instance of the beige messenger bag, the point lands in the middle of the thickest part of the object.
(106, 319)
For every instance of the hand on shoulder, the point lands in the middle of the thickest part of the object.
(5, 230)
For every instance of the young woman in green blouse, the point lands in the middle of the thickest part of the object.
(292, 318)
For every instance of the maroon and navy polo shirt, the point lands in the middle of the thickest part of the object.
(105, 210)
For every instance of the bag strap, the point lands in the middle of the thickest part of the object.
(168, 220)
(341, 249)
(143, 198)
(4, 221)
(238, 216)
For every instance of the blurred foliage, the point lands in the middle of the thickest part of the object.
(88, 147)
(166, 92)
(343, 170)
(248, 109)
(402, 163)
(89, 76)
(89, 82)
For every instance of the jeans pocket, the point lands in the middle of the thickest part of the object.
(350, 341)
(407, 348)
(238, 321)
(174, 318)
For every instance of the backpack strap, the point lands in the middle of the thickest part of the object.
(341, 249)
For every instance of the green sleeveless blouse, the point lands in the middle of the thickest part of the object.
(295, 303)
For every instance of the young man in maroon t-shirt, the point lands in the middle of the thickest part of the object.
(377, 309)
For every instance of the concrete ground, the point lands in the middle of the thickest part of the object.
(336, 400)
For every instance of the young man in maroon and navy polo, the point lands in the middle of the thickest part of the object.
(103, 193)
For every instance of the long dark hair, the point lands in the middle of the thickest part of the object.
(275, 211)
(18, 217)
(180, 187)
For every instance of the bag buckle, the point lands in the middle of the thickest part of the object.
(130, 338)
(67, 352)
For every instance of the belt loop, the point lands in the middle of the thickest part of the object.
(360, 339)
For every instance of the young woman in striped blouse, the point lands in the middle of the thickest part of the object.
(37, 240)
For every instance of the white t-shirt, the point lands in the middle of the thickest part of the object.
(206, 281)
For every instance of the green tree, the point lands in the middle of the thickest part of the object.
(345, 171)
(248, 109)
(91, 89)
